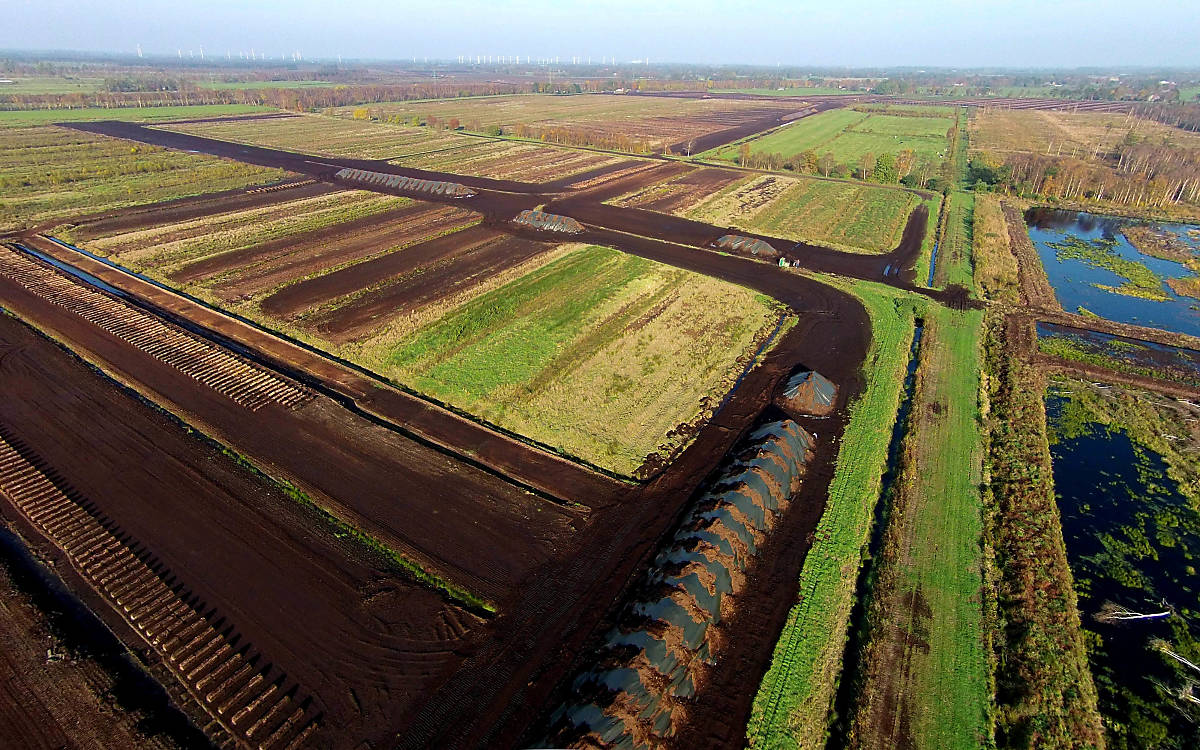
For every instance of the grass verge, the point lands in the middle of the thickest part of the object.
(792, 705)
(926, 681)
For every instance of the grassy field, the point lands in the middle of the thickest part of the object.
(1081, 134)
(848, 134)
(954, 253)
(604, 356)
(418, 147)
(792, 705)
(325, 135)
(657, 120)
(808, 133)
(931, 579)
(33, 117)
(841, 215)
(597, 353)
(49, 85)
(48, 173)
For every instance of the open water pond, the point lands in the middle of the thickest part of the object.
(1133, 540)
(1087, 258)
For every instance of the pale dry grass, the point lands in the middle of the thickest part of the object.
(995, 265)
(151, 248)
(1064, 133)
(741, 200)
(627, 399)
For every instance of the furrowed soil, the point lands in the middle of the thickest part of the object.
(265, 266)
(48, 173)
(470, 265)
(370, 641)
(487, 699)
(120, 220)
(393, 488)
(681, 193)
(53, 696)
(304, 294)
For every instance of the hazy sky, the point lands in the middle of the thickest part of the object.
(830, 32)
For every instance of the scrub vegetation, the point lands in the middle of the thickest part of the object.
(1044, 695)
(1108, 161)
(995, 266)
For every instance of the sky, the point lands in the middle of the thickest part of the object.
(987, 33)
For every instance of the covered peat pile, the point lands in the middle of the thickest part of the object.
(808, 392)
(410, 184)
(648, 665)
(535, 219)
(749, 245)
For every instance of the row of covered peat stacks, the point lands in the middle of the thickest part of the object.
(647, 667)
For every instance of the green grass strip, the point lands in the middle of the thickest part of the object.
(793, 701)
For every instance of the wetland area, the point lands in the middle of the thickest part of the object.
(1125, 478)
(1095, 269)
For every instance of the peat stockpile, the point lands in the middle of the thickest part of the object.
(740, 244)
(808, 392)
(535, 219)
(651, 660)
(411, 184)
